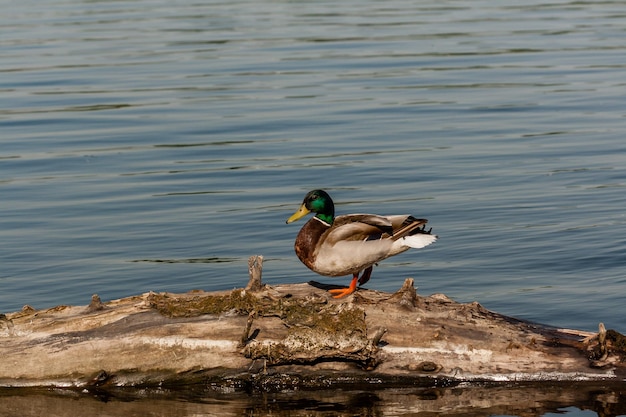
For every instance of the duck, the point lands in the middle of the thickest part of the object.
(352, 244)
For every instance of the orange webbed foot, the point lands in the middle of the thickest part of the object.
(342, 292)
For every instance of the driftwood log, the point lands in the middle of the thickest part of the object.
(293, 336)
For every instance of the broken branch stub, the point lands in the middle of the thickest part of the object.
(255, 270)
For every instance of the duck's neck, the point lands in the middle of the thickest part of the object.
(326, 217)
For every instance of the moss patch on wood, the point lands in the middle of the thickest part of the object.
(238, 301)
(311, 312)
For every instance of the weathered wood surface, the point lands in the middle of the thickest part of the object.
(293, 336)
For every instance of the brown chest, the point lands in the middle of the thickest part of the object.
(307, 240)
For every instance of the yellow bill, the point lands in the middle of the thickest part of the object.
(302, 211)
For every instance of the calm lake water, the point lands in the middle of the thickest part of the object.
(155, 145)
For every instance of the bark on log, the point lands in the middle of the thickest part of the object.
(293, 336)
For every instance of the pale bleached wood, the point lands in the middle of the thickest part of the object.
(294, 334)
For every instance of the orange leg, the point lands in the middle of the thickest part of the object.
(342, 292)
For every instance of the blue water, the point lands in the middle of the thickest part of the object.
(156, 145)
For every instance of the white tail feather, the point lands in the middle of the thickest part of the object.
(418, 240)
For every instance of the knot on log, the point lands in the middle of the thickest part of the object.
(4, 320)
(96, 304)
(102, 377)
(610, 348)
(406, 297)
(424, 367)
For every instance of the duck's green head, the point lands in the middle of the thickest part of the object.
(319, 202)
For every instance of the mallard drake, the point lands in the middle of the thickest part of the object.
(348, 244)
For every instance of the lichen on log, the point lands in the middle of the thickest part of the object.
(293, 335)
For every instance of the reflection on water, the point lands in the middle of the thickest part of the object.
(520, 400)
